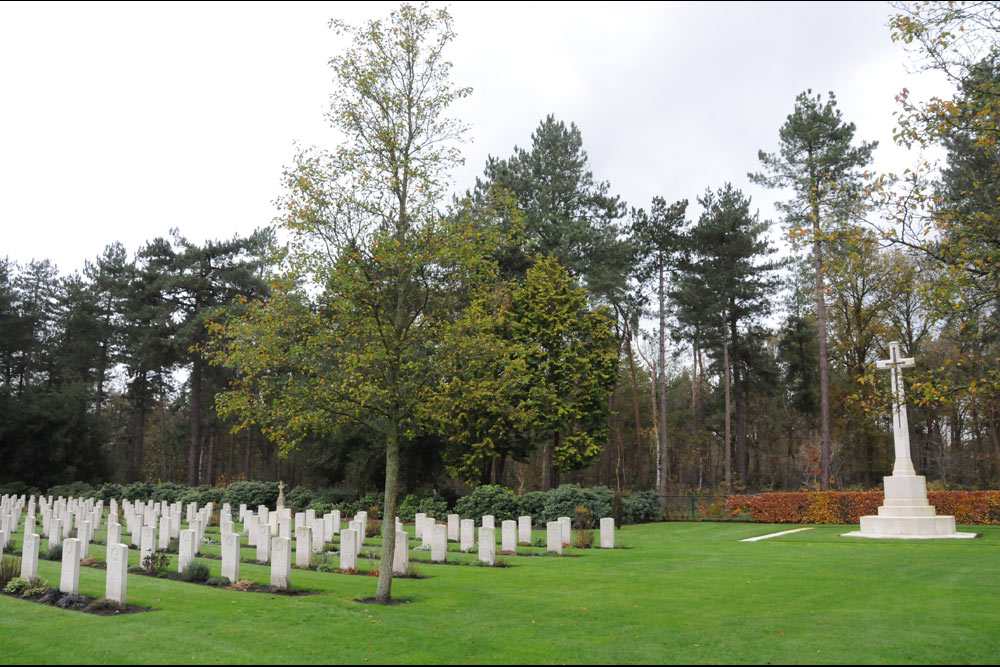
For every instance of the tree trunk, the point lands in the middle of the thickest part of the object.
(210, 464)
(664, 454)
(194, 446)
(727, 449)
(384, 591)
(824, 366)
(635, 404)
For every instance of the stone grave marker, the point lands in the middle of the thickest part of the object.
(489, 521)
(524, 529)
(487, 545)
(264, 542)
(607, 533)
(567, 530)
(303, 545)
(69, 580)
(554, 536)
(468, 538)
(348, 549)
(418, 525)
(281, 563)
(454, 527)
(116, 581)
(439, 544)
(29, 556)
(231, 556)
(508, 536)
(401, 553)
(186, 549)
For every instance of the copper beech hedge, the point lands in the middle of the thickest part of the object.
(968, 507)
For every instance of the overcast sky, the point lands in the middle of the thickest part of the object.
(120, 121)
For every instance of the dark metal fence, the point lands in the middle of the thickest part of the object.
(699, 508)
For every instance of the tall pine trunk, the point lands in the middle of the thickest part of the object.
(664, 457)
(727, 448)
(194, 445)
(824, 366)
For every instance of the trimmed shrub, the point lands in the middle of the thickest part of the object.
(968, 507)
(532, 504)
(195, 572)
(202, 495)
(54, 552)
(563, 501)
(642, 506)
(17, 489)
(139, 491)
(110, 490)
(489, 499)
(299, 498)
(251, 494)
(168, 491)
(75, 490)
(218, 581)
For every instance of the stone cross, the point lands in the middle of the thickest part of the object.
(281, 494)
(900, 428)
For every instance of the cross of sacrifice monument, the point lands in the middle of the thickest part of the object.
(906, 513)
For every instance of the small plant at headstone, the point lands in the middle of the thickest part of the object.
(89, 562)
(582, 518)
(195, 572)
(54, 552)
(10, 567)
(156, 562)
(135, 569)
(70, 601)
(104, 604)
(412, 572)
(538, 542)
(373, 528)
(15, 585)
(218, 581)
(584, 538)
(372, 573)
(242, 585)
(350, 570)
(36, 586)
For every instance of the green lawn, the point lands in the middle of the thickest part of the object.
(680, 593)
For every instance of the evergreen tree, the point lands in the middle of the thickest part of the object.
(818, 161)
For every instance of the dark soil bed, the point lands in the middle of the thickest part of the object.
(88, 605)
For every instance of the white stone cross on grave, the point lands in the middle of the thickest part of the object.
(900, 427)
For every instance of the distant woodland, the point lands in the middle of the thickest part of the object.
(560, 333)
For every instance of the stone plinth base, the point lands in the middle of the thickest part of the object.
(906, 514)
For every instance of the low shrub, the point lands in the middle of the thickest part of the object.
(502, 503)
(110, 490)
(251, 494)
(195, 572)
(532, 504)
(138, 491)
(641, 506)
(54, 552)
(15, 585)
(36, 586)
(584, 538)
(74, 490)
(564, 500)
(103, 604)
(155, 562)
(202, 495)
(218, 581)
(299, 498)
(168, 491)
(373, 528)
(70, 601)
(10, 567)
(847, 507)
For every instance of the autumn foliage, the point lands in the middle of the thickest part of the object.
(968, 507)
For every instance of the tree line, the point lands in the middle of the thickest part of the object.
(538, 330)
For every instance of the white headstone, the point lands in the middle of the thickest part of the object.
(348, 549)
(418, 525)
(264, 541)
(231, 556)
(468, 538)
(489, 521)
(607, 533)
(69, 580)
(114, 533)
(281, 563)
(147, 547)
(401, 553)
(186, 549)
(303, 545)
(317, 527)
(524, 529)
(508, 536)
(83, 534)
(567, 525)
(284, 527)
(164, 536)
(554, 536)
(487, 545)
(439, 543)
(454, 527)
(116, 582)
(29, 556)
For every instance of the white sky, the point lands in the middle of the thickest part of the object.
(120, 121)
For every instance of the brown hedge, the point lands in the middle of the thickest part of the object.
(968, 507)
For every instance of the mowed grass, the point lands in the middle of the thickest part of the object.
(679, 593)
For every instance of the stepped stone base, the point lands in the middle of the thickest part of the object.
(906, 514)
